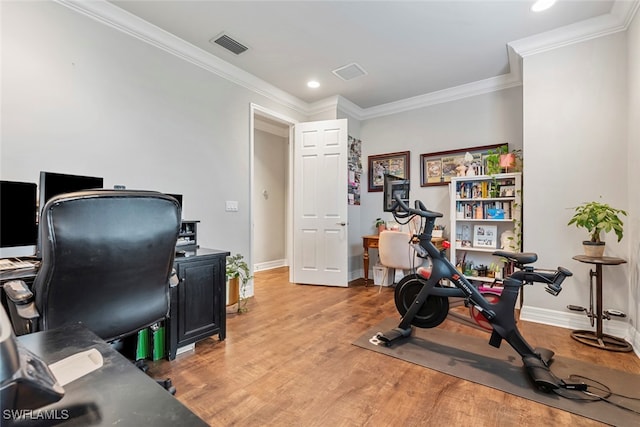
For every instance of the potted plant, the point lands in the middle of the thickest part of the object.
(501, 160)
(238, 275)
(379, 224)
(596, 217)
(493, 160)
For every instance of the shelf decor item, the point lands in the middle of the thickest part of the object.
(485, 236)
(597, 217)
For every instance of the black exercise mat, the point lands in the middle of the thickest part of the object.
(473, 359)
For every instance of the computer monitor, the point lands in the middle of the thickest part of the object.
(18, 213)
(52, 184)
(393, 186)
(178, 197)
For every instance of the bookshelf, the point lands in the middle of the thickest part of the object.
(486, 215)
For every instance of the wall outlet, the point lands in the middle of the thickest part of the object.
(231, 206)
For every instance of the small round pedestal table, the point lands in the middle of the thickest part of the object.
(598, 338)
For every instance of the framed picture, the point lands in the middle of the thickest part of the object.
(485, 236)
(396, 164)
(438, 168)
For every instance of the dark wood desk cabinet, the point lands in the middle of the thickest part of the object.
(198, 301)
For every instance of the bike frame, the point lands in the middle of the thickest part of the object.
(499, 315)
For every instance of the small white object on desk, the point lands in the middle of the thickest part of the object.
(76, 366)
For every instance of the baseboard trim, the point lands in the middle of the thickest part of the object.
(269, 265)
(615, 327)
(635, 339)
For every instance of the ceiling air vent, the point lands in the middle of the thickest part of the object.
(349, 72)
(228, 43)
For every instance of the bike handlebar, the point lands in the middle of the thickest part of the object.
(419, 210)
(553, 279)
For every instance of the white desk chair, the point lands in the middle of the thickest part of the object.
(396, 253)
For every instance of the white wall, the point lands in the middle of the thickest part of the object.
(83, 98)
(491, 118)
(270, 176)
(633, 222)
(575, 145)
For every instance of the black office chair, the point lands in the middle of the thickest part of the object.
(107, 259)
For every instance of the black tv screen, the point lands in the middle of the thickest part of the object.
(52, 184)
(392, 187)
(18, 212)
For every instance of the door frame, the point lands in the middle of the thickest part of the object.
(258, 110)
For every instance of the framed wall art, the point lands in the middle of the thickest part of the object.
(485, 236)
(396, 164)
(438, 168)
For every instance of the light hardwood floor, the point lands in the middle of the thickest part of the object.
(289, 361)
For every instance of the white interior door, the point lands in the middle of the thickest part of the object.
(320, 234)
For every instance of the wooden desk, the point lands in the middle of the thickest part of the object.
(598, 338)
(371, 242)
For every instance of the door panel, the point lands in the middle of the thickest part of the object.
(320, 203)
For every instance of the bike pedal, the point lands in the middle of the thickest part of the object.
(576, 308)
(616, 313)
(553, 290)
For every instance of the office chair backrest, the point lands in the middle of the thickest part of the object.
(395, 252)
(106, 260)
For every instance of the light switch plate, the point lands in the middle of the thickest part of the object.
(231, 206)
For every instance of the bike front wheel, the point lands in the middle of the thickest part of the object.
(434, 310)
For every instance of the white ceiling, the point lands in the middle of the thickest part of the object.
(408, 48)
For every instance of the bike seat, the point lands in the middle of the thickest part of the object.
(520, 258)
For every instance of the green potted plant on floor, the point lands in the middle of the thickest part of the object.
(597, 217)
(238, 275)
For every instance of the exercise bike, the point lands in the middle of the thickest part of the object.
(423, 299)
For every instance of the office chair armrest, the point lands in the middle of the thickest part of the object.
(174, 280)
(18, 292)
(22, 307)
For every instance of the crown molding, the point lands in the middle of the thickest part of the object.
(328, 104)
(349, 108)
(480, 87)
(102, 11)
(617, 20)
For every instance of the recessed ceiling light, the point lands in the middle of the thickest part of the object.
(313, 84)
(541, 5)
